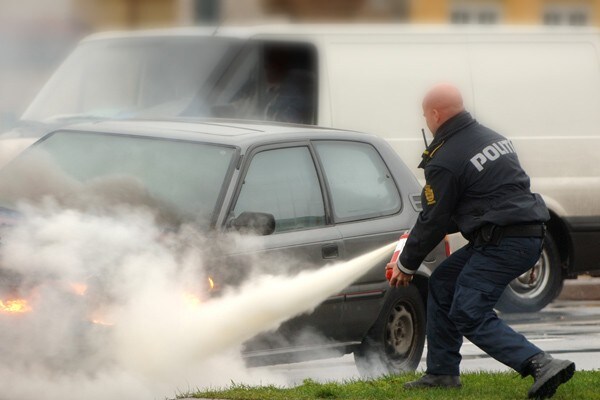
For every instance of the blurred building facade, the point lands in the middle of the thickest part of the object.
(548, 12)
(103, 14)
(544, 12)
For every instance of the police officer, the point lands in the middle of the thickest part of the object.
(475, 185)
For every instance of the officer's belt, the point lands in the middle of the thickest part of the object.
(493, 234)
(536, 230)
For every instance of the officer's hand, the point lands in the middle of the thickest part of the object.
(399, 278)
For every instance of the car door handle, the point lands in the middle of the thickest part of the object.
(330, 251)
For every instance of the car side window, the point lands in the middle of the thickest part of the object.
(360, 183)
(283, 182)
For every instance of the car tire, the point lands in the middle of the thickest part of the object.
(531, 294)
(395, 342)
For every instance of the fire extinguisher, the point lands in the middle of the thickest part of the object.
(394, 260)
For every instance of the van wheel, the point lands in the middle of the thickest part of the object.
(536, 288)
(395, 342)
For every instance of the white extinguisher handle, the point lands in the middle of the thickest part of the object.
(399, 247)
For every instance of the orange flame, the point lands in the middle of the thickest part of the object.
(100, 317)
(211, 283)
(102, 322)
(191, 300)
(79, 288)
(17, 306)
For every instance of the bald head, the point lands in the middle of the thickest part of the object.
(440, 104)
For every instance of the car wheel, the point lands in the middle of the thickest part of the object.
(536, 288)
(395, 342)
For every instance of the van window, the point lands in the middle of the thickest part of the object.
(134, 77)
(167, 77)
(270, 81)
(235, 93)
(361, 185)
(289, 92)
(283, 182)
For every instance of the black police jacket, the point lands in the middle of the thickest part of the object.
(473, 178)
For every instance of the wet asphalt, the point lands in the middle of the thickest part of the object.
(565, 329)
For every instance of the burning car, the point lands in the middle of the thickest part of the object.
(311, 195)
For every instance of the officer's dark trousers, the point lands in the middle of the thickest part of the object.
(463, 291)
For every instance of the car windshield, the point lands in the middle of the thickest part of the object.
(133, 77)
(180, 180)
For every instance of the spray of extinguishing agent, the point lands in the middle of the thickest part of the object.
(394, 260)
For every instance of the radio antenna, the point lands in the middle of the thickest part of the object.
(424, 138)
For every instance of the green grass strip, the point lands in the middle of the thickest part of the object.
(585, 385)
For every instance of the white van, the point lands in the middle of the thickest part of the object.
(538, 86)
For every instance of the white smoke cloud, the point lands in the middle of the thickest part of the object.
(10, 148)
(158, 329)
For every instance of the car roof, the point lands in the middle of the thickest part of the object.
(219, 131)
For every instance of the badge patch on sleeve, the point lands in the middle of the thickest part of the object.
(429, 196)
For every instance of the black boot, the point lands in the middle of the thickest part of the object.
(434, 381)
(548, 374)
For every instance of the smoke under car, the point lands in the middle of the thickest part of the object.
(310, 196)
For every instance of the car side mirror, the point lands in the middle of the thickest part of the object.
(254, 222)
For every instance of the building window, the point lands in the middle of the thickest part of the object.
(460, 17)
(566, 14)
(488, 17)
(483, 13)
(398, 10)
